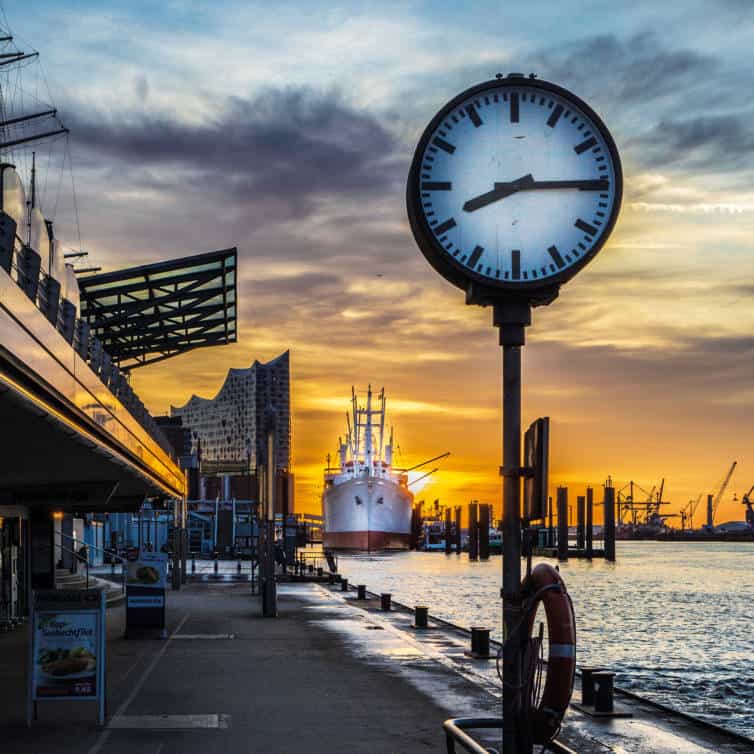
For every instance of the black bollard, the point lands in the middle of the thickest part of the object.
(385, 601)
(193, 564)
(319, 571)
(603, 694)
(238, 568)
(330, 578)
(587, 684)
(480, 642)
(216, 564)
(311, 568)
(421, 614)
(344, 585)
(361, 591)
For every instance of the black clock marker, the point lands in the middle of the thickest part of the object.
(445, 227)
(474, 258)
(514, 107)
(516, 264)
(555, 254)
(588, 144)
(474, 115)
(444, 145)
(590, 230)
(552, 121)
(437, 186)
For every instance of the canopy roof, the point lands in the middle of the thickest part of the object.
(147, 314)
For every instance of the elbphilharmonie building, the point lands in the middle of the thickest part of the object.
(231, 427)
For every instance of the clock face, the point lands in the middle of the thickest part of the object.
(515, 184)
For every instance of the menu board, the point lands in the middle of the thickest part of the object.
(68, 646)
(145, 590)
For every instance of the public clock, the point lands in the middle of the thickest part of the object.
(515, 185)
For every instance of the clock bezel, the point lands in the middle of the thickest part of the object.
(459, 274)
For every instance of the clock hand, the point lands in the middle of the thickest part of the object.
(500, 191)
(582, 185)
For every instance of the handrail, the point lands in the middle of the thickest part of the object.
(71, 552)
(455, 731)
(101, 549)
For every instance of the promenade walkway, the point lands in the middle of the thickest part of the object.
(277, 686)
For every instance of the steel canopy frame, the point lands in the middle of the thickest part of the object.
(150, 313)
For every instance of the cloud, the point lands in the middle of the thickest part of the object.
(292, 146)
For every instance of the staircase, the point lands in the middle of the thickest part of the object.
(64, 579)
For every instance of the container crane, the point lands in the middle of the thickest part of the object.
(749, 503)
(712, 505)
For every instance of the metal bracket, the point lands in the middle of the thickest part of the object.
(517, 472)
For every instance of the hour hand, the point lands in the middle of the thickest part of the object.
(500, 191)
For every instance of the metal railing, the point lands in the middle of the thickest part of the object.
(110, 554)
(455, 732)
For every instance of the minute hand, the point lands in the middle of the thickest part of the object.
(596, 185)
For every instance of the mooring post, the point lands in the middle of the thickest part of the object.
(589, 522)
(457, 513)
(609, 521)
(580, 523)
(473, 531)
(484, 531)
(562, 523)
(550, 526)
(448, 533)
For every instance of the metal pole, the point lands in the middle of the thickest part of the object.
(589, 522)
(512, 319)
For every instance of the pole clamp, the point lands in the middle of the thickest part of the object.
(517, 472)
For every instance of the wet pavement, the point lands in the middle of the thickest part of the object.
(331, 674)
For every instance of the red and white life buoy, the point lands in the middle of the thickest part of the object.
(546, 586)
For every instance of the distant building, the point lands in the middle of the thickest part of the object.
(230, 429)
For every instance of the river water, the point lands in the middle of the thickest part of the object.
(675, 620)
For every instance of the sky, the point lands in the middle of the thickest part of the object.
(287, 130)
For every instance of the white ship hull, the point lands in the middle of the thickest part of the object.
(367, 513)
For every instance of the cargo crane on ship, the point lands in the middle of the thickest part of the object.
(749, 503)
(641, 518)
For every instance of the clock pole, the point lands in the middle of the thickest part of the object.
(511, 318)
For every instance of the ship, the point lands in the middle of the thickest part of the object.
(366, 503)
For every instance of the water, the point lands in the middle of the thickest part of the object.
(675, 620)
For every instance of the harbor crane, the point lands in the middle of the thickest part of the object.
(749, 503)
(712, 504)
(688, 511)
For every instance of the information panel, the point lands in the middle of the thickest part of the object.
(67, 658)
(145, 590)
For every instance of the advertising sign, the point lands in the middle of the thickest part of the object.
(145, 590)
(68, 646)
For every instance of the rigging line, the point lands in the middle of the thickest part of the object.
(60, 182)
(73, 188)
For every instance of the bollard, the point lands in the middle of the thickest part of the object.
(112, 567)
(385, 601)
(344, 585)
(193, 564)
(311, 568)
(587, 684)
(330, 578)
(319, 571)
(362, 591)
(421, 614)
(480, 642)
(338, 578)
(603, 694)
(215, 568)
(238, 568)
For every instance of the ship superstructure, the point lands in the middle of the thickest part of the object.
(366, 503)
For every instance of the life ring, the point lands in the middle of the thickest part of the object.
(546, 586)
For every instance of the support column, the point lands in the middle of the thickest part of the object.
(609, 522)
(512, 319)
(448, 533)
(562, 523)
(458, 528)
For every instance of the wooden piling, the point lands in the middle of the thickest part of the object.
(562, 497)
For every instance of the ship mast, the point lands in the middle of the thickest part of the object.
(368, 433)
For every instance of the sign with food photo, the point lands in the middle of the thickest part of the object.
(65, 654)
(145, 591)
